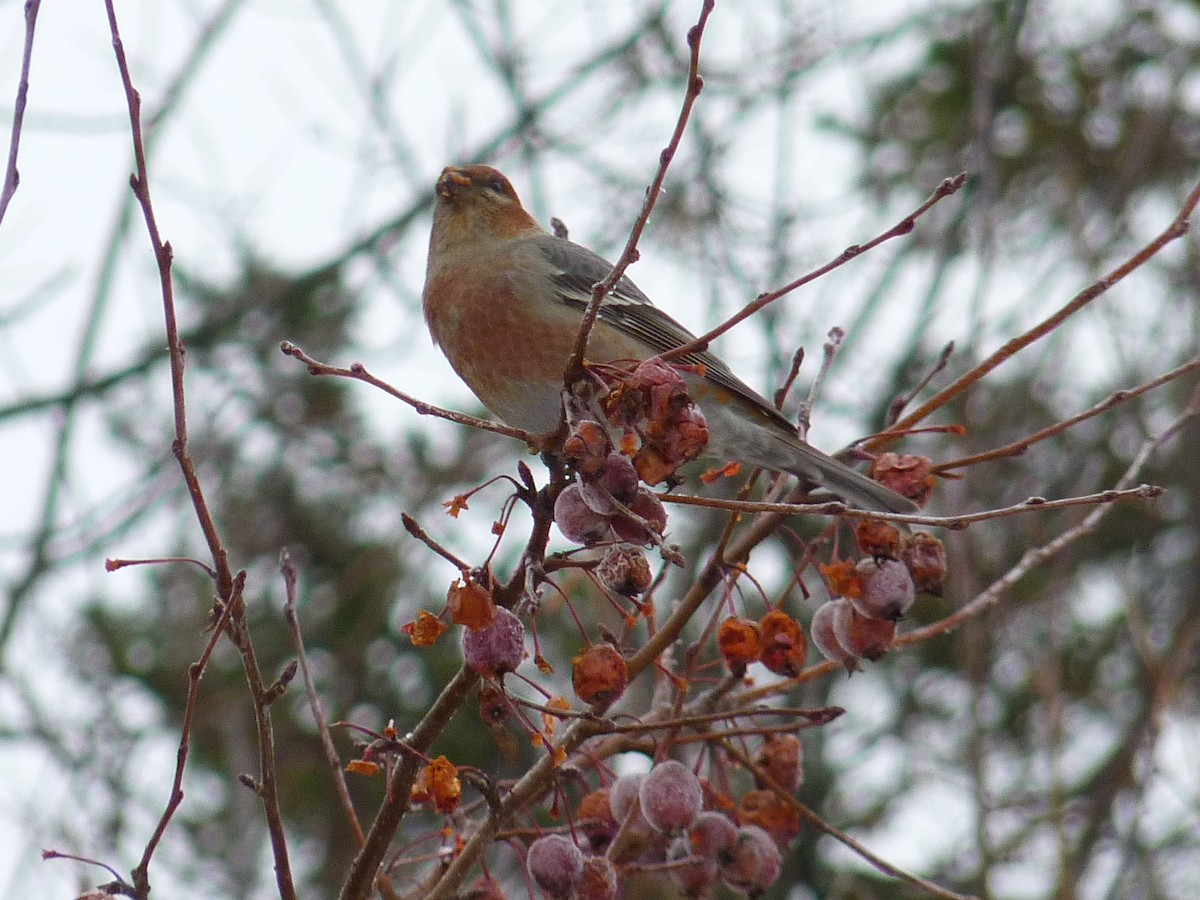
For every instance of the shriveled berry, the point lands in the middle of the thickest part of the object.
(496, 648)
(670, 796)
(556, 864)
(586, 446)
(740, 643)
(754, 863)
(624, 570)
(908, 475)
(824, 632)
(771, 813)
(877, 538)
(599, 880)
(862, 637)
(781, 756)
(599, 674)
(594, 817)
(925, 557)
(649, 508)
(887, 589)
(783, 647)
(576, 520)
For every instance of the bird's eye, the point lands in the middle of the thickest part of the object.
(498, 186)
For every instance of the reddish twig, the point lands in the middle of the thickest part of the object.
(1175, 230)
(1116, 399)
(288, 569)
(695, 84)
(1033, 504)
(141, 874)
(163, 254)
(815, 819)
(903, 227)
(359, 372)
(12, 178)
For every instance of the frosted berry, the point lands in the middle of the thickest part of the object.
(670, 796)
(754, 862)
(623, 796)
(497, 648)
(576, 520)
(648, 507)
(556, 864)
(823, 629)
(624, 570)
(712, 834)
(861, 637)
(886, 589)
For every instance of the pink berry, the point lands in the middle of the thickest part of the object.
(496, 648)
(649, 508)
(556, 864)
(671, 797)
(712, 834)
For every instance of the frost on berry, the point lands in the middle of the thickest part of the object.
(670, 796)
(599, 880)
(925, 557)
(696, 874)
(623, 796)
(740, 643)
(556, 864)
(624, 570)
(498, 648)
(712, 834)
(886, 589)
(576, 520)
(781, 756)
(753, 863)
(599, 674)
(783, 647)
(824, 633)
(649, 509)
(861, 637)
(617, 478)
(594, 817)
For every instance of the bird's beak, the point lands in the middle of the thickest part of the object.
(450, 180)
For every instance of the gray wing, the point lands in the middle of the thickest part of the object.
(627, 308)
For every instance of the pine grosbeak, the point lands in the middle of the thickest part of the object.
(504, 299)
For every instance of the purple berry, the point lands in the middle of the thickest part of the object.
(576, 520)
(712, 835)
(496, 648)
(887, 589)
(623, 797)
(556, 864)
(671, 797)
(754, 862)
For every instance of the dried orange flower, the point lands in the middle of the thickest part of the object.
(771, 813)
(878, 539)
(783, 647)
(470, 604)
(740, 643)
(438, 784)
(425, 631)
(599, 674)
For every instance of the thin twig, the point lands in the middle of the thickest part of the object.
(903, 227)
(1033, 504)
(195, 673)
(1116, 399)
(163, 254)
(1175, 230)
(813, 818)
(359, 372)
(695, 84)
(12, 178)
(288, 569)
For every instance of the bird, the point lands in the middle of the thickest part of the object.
(504, 298)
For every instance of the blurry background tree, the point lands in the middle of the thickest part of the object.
(1045, 749)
